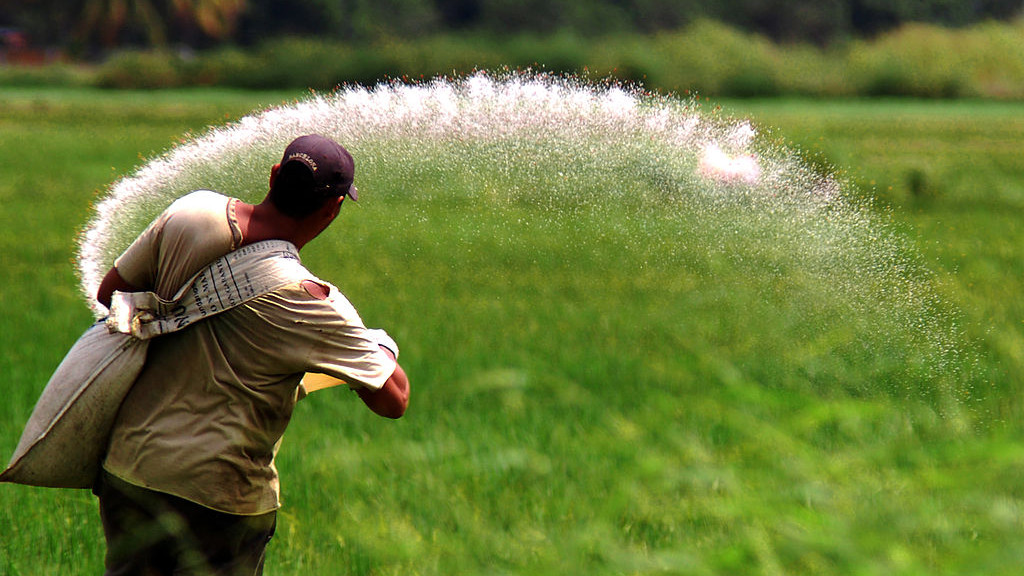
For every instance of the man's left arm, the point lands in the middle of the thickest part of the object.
(391, 399)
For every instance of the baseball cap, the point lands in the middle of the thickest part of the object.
(331, 165)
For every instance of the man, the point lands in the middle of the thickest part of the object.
(189, 485)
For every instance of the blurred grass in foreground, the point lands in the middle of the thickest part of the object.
(568, 414)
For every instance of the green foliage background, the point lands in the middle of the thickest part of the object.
(981, 61)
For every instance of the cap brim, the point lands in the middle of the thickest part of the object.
(353, 192)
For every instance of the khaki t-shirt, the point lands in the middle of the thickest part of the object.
(205, 417)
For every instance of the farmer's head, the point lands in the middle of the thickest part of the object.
(313, 171)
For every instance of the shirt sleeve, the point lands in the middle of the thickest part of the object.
(137, 265)
(190, 234)
(347, 351)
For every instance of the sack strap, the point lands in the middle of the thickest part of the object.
(235, 278)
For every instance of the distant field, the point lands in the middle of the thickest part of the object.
(606, 387)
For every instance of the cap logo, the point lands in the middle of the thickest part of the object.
(305, 157)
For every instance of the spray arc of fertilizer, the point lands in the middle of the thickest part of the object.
(481, 111)
(707, 183)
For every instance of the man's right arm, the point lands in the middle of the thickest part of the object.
(112, 282)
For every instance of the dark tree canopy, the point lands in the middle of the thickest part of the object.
(99, 24)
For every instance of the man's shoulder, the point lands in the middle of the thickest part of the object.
(199, 201)
(200, 212)
(298, 301)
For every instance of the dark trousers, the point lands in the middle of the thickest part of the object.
(151, 533)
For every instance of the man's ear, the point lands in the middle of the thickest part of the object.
(334, 205)
(273, 173)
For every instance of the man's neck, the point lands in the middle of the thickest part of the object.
(263, 221)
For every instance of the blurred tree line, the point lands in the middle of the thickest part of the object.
(92, 26)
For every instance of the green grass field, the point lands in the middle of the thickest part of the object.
(595, 391)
